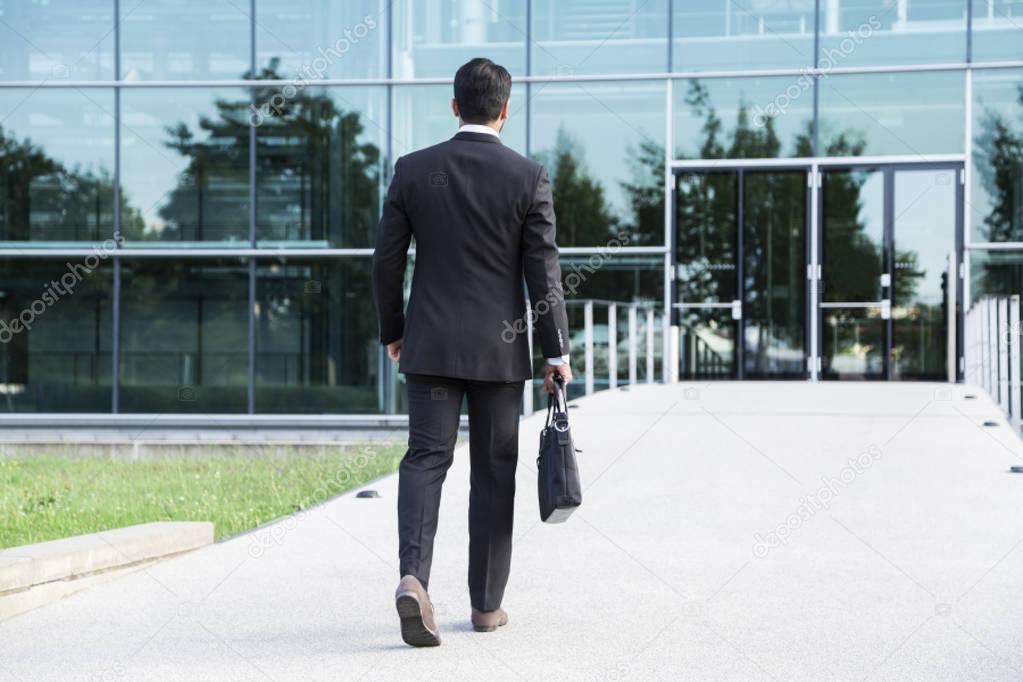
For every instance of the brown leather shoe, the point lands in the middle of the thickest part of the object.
(488, 621)
(415, 609)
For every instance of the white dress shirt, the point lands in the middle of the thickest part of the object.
(487, 130)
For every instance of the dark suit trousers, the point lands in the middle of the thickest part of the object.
(434, 404)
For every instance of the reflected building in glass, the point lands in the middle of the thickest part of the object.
(808, 190)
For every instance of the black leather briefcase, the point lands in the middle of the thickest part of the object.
(559, 488)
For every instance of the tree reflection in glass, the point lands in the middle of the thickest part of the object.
(319, 166)
(56, 165)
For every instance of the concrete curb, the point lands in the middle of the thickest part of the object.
(34, 575)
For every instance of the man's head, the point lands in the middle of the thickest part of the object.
(482, 89)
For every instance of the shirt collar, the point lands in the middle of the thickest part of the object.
(478, 128)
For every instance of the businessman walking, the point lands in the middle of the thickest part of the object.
(483, 219)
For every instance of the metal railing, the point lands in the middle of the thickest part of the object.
(992, 353)
(616, 342)
(698, 359)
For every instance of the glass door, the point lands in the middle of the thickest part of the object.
(706, 306)
(774, 283)
(924, 248)
(854, 307)
(889, 241)
(740, 297)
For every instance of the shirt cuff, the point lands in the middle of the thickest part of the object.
(554, 362)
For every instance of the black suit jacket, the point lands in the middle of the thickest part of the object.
(482, 217)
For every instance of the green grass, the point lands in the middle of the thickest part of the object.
(54, 496)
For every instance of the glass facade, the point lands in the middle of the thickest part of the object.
(216, 169)
(184, 169)
(184, 325)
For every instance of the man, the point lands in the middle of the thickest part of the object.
(483, 219)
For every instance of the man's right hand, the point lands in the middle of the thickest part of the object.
(394, 350)
(564, 370)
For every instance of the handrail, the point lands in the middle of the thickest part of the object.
(642, 321)
(992, 351)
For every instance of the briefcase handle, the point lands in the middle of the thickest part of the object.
(557, 402)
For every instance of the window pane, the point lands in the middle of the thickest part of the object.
(712, 36)
(184, 336)
(862, 32)
(432, 38)
(185, 168)
(55, 331)
(852, 236)
(892, 113)
(316, 39)
(852, 344)
(611, 37)
(319, 166)
(608, 276)
(997, 30)
(706, 241)
(995, 273)
(422, 117)
(185, 40)
(603, 145)
(56, 40)
(317, 349)
(56, 165)
(995, 210)
(731, 118)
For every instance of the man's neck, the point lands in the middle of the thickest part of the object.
(483, 128)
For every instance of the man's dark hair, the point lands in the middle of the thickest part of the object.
(481, 89)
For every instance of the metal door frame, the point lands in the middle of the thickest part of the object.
(813, 167)
(889, 169)
(740, 171)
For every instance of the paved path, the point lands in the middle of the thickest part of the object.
(907, 565)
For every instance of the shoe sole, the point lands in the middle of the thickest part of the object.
(414, 630)
(488, 628)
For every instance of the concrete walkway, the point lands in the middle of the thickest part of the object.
(725, 535)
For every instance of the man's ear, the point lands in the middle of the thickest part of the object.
(454, 108)
(504, 110)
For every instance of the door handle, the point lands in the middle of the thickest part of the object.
(886, 309)
(736, 309)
